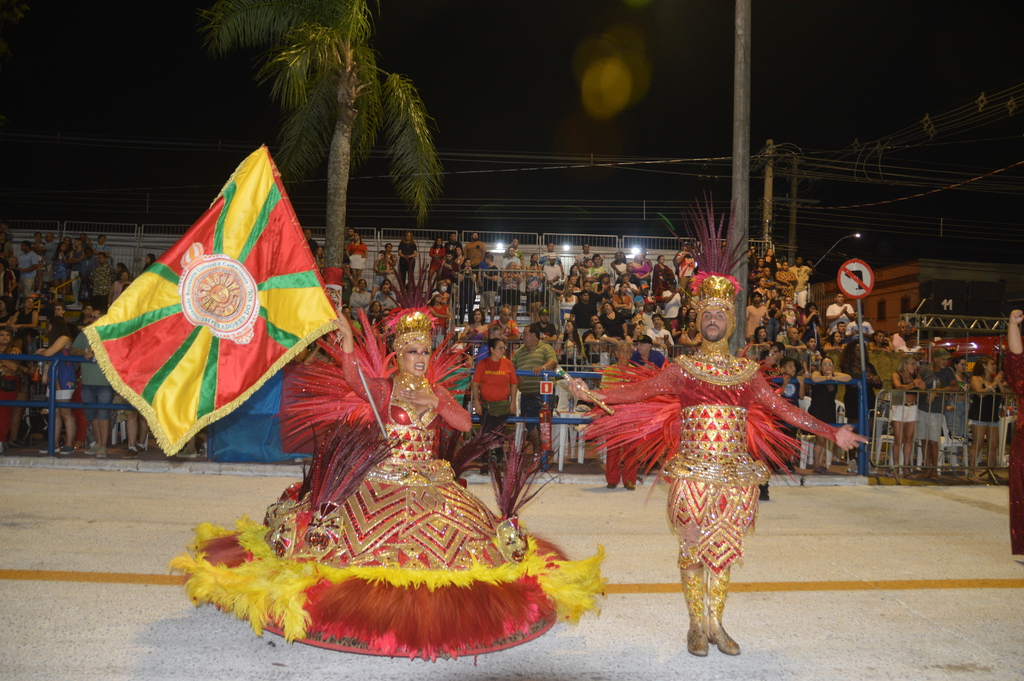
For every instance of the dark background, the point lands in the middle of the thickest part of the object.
(115, 114)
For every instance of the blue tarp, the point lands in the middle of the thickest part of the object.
(253, 431)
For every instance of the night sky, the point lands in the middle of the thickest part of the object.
(119, 116)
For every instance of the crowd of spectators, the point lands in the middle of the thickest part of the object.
(49, 290)
(73, 271)
(590, 307)
(469, 286)
(930, 393)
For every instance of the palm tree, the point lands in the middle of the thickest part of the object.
(324, 73)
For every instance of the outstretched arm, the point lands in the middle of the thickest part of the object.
(766, 397)
(667, 382)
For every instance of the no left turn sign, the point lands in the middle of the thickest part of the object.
(856, 279)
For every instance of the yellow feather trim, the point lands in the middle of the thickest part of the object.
(269, 589)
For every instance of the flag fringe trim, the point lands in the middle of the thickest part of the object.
(171, 448)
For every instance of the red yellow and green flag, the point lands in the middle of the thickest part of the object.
(219, 313)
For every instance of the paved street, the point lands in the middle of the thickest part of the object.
(852, 582)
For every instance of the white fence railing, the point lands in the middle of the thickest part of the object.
(130, 243)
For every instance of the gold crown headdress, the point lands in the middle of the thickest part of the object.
(715, 290)
(411, 326)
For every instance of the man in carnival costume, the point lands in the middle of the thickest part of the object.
(705, 414)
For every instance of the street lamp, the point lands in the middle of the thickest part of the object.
(848, 236)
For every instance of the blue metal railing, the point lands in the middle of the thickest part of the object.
(546, 399)
(51, 398)
(863, 422)
(51, 402)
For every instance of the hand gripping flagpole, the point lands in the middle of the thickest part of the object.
(562, 373)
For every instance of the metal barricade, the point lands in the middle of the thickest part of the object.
(27, 228)
(50, 403)
(958, 447)
(500, 239)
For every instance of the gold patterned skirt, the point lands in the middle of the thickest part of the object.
(408, 565)
(714, 494)
(406, 514)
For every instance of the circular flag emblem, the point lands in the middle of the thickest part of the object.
(219, 293)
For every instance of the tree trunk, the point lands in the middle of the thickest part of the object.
(339, 163)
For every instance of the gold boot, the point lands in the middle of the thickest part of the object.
(695, 591)
(718, 589)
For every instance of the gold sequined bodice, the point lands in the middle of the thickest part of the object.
(411, 442)
(413, 448)
(713, 447)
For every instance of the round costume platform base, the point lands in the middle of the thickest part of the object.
(351, 645)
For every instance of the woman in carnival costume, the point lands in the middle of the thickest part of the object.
(380, 550)
(706, 414)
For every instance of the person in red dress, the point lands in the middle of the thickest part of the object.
(1014, 368)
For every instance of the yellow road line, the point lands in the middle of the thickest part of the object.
(879, 585)
(97, 577)
(760, 587)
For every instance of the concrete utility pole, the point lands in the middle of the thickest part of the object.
(741, 162)
(768, 215)
(793, 182)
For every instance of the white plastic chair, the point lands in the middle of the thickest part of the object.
(119, 432)
(949, 446)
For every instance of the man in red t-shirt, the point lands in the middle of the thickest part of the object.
(507, 325)
(494, 393)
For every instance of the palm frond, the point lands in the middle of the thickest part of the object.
(369, 111)
(414, 162)
(321, 67)
(352, 19)
(240, 24)
(307, 130)
(305, 53)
